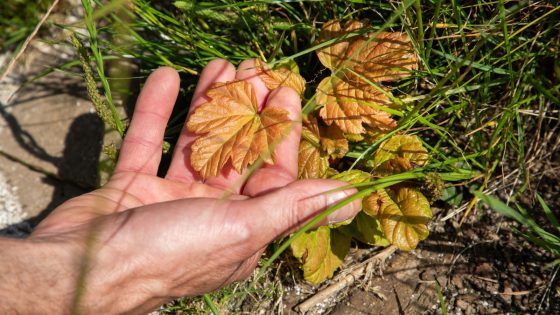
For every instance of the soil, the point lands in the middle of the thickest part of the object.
(481, 267)
(51, 145)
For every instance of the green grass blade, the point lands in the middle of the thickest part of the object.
(553, 220)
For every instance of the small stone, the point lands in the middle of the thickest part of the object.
(462, 304)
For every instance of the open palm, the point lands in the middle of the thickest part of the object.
(179, 235)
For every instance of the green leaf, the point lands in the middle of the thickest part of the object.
(551, 218)
(321, 252)
(452, 196)
(353, 176)
(399, 153)
(365, 229)
(536, 234)
(403, 213)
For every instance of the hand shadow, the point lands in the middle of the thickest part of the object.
(78, 169)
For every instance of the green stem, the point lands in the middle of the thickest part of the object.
(418, 7)
(210, 304)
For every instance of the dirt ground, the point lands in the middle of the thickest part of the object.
(51, 137)
(50, 151)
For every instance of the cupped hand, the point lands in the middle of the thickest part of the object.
(141, 240)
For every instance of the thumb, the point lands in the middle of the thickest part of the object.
(285, 210)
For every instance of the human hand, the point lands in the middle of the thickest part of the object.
(141, 240)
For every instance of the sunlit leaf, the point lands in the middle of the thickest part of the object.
(365, 229)
(280, 77)
(332, 55)
(382, 57)
(353, 176)
(321, 252)
(399, 153)
(351, 104)
(333, 141)
(313, 161)
(318, 143)
(377, 56)
(231, 129)
(403, 213)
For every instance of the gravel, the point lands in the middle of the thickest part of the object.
(11, 211)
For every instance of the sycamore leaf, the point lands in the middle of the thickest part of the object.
(353, 176)
(365, 229)
(332, 55)
(313, 162)
(321, 252)
(398, 154)
(351, 104)
(280, 77)
(333, 141)
(231, 129)
(403, 213)
(371, 135)
(383, 57)
(318, 143)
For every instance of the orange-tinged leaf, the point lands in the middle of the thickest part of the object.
(321, 252)
(353, 176)
(349, 104)
(398, 154)
(396, 165)
(280, 77)
(318, 144)
(333, 55)
(403, 213)
(383, 57)
(313, 162)
(333, 141)
(231, 129)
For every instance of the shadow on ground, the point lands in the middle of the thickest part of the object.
(77, 168)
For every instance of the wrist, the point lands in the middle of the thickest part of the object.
(68, 273)
(108, 278)
(34, 277)
(105, 279)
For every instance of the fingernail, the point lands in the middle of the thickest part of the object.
(346, 212)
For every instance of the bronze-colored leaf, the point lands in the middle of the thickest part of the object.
(353, 176)
(403, 213)
(332, 55)
(230, 128)
(318, 143)
(398, 154)
(280, 77)
(383, 57)
(333, 141)
(321, 252)
(313, 161)
(351, 104)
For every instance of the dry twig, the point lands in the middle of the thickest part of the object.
(28, 40)
(347, 280)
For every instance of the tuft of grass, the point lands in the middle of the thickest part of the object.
(115, 122)
(536, 234)
(18, 19)
(441, 299)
